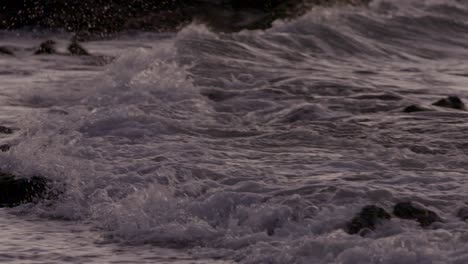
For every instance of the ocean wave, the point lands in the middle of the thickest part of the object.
(260, 146)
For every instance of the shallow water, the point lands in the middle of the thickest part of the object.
(253, 147)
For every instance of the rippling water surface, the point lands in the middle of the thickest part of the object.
(251, 147)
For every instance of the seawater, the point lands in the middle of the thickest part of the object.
(249, 147)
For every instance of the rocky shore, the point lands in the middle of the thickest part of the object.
(100, 16)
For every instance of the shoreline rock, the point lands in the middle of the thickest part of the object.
(367, 218)
(408, 210)
(104, 17)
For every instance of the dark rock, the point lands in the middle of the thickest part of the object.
(369, 217)
(5, 147)
(46, 47)
(104, 17)
(463, 213)
(14, 191)
(6, 130)
(453, 102)
(414, 108)
(6, 51)
(408, 210)
(76, 49)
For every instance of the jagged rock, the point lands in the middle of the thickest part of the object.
(369, 217)
(5, 147)
(6, 130)
(46, 47)
(14, 191)
(414, 108)
(453, 102)
(103, 16)
(76, 49)
(6, 51)
(408, 210)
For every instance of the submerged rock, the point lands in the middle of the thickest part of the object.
(46, 47)
(6, 51)
(368, 218)
(408, 210)
(453, 102)
(14, 191)
(218, 95)
(463, 213)
(414, 108)
(76, 49)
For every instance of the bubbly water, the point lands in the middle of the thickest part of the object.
(251, 147)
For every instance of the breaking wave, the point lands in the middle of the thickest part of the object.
(259, 146)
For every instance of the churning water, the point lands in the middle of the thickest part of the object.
(250, 147)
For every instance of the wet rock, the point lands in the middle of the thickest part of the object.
(76, 49)
(453, 102)
(14, 191)
(6, 51)
(414, 108)
(46, 47)
(368, 218)
(5, 147)
(6, 130)
(463, 213)
(104, 17)
(408, 210)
